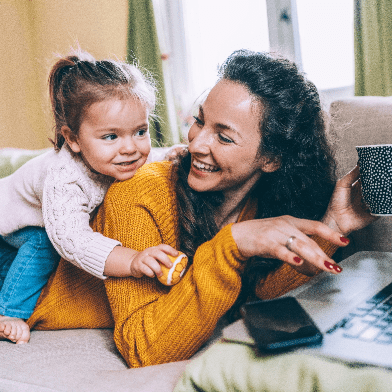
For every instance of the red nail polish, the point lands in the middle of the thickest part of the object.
(344, 239)
(297, 259)
(337, 268)
(328, 265)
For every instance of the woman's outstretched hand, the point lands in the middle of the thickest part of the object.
(287, 238)
(346, 211)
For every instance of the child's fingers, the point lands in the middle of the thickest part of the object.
(154, 267)
(168, 249)
(161, 252)
(148, 268)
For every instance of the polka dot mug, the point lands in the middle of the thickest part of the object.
(375, 166)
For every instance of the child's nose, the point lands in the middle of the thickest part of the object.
(127, 146)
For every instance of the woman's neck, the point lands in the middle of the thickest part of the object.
(229, 211)
(233, 204)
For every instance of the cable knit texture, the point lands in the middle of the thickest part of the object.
(58, 191)
(153, 323)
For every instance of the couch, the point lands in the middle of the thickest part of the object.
(87, 360)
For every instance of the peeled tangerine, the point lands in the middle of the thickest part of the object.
(173, 275)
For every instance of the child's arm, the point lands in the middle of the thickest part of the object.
(69, 198)
(124, 262)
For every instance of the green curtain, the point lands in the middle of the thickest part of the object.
(143, 47)
(373, 47)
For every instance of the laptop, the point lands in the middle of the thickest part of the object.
(352, 309)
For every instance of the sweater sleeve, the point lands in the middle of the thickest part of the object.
(68, 200)
(154, 323)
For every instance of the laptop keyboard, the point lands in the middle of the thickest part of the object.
(371, 320)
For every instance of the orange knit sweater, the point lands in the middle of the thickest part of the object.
(154, 323)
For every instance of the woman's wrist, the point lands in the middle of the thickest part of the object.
(332, 224)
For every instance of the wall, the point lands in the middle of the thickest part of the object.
(32, 32)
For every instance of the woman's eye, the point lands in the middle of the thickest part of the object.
(111, 136)
(225, 139)
(198, 121)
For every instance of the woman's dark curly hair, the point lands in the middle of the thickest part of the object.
(292, 130)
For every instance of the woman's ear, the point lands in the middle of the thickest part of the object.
(70, 138)
(270, 164)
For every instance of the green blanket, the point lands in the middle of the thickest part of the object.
(226, 367)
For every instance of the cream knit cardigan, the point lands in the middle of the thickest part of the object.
(56, 190)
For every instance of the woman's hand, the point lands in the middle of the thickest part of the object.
(287, 238)
(347, 211)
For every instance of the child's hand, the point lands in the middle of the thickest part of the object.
(148, 261)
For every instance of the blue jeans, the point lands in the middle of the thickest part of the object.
(27, 259)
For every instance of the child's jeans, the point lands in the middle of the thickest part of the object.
(27, 259)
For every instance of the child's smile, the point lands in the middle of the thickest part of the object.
(113, 138)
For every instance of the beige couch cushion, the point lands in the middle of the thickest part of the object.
(78, 360)
(359, 121)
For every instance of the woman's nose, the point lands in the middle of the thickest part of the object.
(200, 141)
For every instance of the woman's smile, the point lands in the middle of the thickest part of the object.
(204, 167)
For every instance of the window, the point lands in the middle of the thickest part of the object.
(215, 28)
(316, 34)
(326, 32)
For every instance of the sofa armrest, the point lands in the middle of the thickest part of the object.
(12, 159)
(358, 121)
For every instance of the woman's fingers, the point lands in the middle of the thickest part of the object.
(307, 250)
(317, 228)
(287, 238)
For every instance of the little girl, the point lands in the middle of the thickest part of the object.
(101, 111)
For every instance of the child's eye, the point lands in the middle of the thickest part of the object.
(111, 136)
(198, 121)
(141, 132)
(225, 139)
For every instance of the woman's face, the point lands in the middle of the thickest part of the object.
(224, 142)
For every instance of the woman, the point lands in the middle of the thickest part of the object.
(252, 186)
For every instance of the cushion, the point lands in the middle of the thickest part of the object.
(78, 360)
(236, 367)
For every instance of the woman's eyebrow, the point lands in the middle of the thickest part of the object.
(217, 125)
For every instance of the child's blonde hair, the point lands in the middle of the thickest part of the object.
(78, 80)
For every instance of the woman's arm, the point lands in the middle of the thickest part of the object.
(312, 243)
(154, 323)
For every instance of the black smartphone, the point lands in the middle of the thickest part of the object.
(280, 324)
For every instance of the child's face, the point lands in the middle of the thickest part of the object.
(113, 137)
